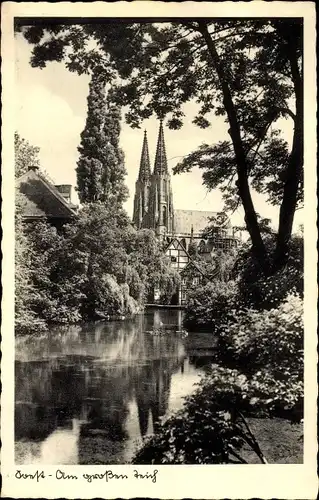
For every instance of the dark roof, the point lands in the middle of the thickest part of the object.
(145, 166)
(160, 166)
(184, 220)
(178, 242)
(42, 199)
(190, 262)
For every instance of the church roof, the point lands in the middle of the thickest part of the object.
(184, 220)
(160, 166)
(145, 166)
(41, 198)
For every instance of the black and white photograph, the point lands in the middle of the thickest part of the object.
(160, 228)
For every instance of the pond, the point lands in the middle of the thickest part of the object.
(89, 394)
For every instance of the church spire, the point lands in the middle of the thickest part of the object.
(160, 158)
(145, 166)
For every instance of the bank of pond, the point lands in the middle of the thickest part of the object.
(95, 393)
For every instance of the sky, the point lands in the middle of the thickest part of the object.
(51, 107)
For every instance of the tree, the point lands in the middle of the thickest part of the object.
(98, 240)
(283, 37)
(266, 292)
(193, 250)
(26, 155)
(246, 70)
(208, 304)
(100, 169)
(26, 320)
(150, 267)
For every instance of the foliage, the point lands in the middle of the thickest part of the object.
(193, 250)
(26, 320)
(97, 240)
(53, 273)
(270, 345)
(96, 267)
(201, 433)
(149, 263)
(100, 169)
(67, 284)
(258, 290)
(224, 261)
(208, 304)
(26, 155)
(221, 261)
(212, 63)
(212, 426)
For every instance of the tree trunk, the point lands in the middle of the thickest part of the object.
(295, 164)
(241, 159)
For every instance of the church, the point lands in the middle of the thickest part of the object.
(177, 229)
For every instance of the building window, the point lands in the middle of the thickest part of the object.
(164, 215)
(173, 258)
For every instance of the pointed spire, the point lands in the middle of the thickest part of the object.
(145, 166)
(160, 158)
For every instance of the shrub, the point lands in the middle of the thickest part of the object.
(266, 292)
(208, 305)
(210, 429)
(29, 324)
(269, 346)
(271, 338)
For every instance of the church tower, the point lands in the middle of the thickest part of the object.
(142, 188)
(161, 212)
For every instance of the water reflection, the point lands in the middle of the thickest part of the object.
(88, 394)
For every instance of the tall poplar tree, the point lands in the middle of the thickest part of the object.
(100, 169)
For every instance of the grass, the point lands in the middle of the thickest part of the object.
(280, 441)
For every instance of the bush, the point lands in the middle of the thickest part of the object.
(266, 292)
(28, 324)
(202, 432)
(269, 346)
(211, 428)
(208, 305)
(272, 338)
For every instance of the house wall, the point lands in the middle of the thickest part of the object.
(178, 256)
(181, 262)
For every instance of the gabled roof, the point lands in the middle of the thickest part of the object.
(145, 166)
(160, 166)
(191, 263)
(42, 199)
(176, 243)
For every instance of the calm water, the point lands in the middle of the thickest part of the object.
(88, 394)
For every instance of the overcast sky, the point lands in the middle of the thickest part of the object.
(51, 111)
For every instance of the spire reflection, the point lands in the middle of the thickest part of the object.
(82, 391)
